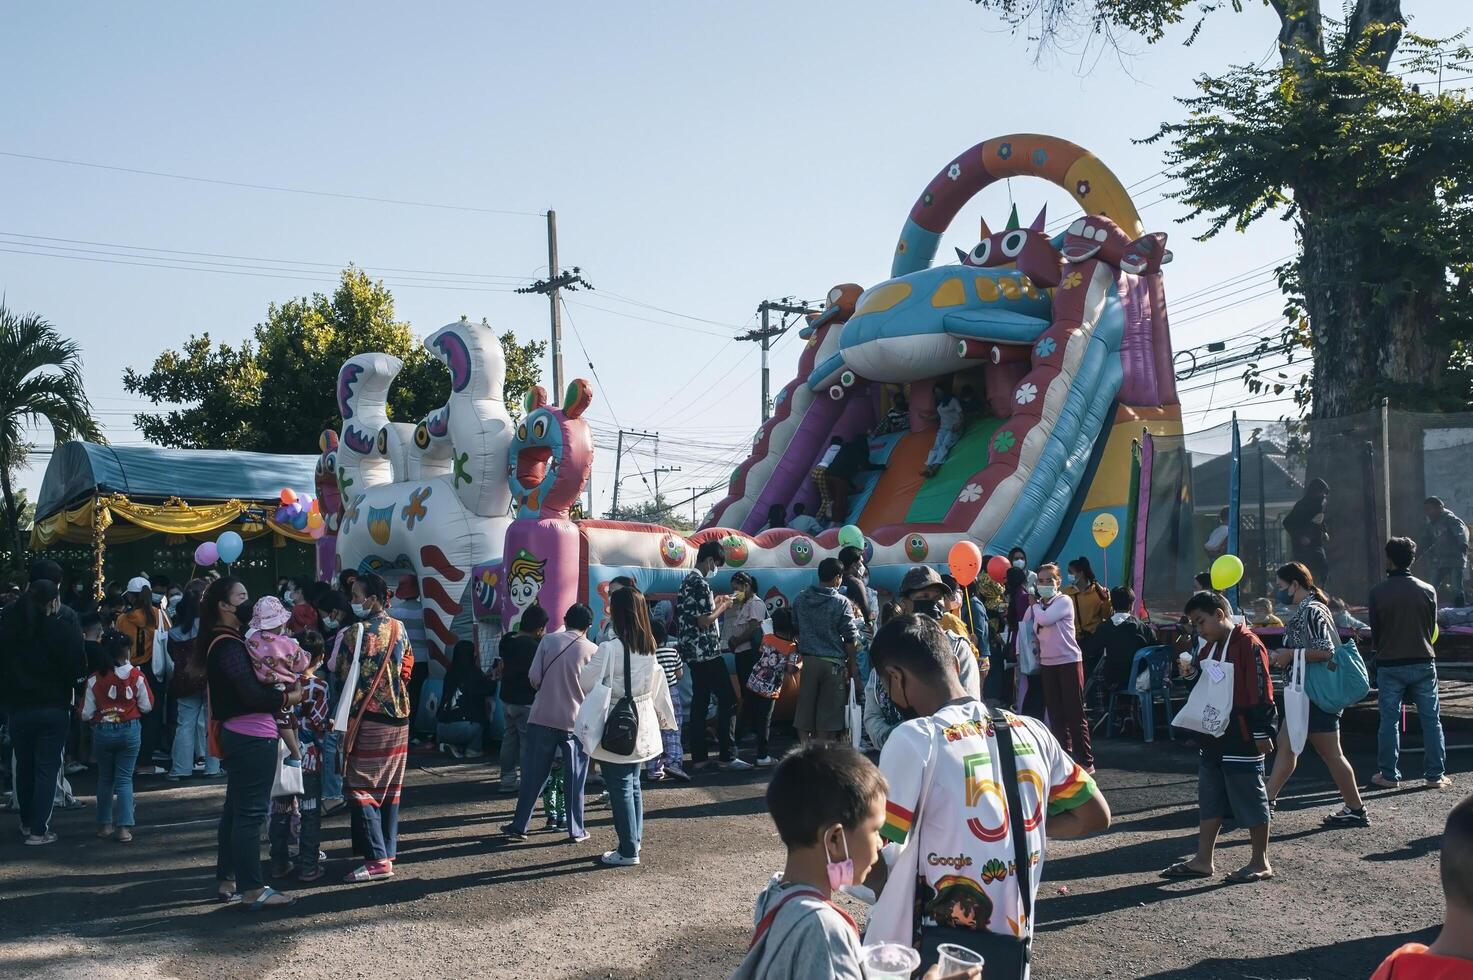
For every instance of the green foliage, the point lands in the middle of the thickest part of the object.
(657, 510)
(275, 392)
(40, 384)
(1060, 22)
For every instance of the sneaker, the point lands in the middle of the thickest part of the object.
(766, 761)
(1346, 817)
(199, 765)
(176, 777)
(735, 765)
(509, 830)
(474, 754)
(551, 824)
(50, 838)
(1441, 782)
(72, 768)
(678, 772)
(579, 839)
(609, 857)
(655, 777)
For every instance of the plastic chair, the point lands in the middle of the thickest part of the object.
(1156, 660)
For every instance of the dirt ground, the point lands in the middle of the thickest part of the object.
(466, 903)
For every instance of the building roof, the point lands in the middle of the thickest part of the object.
(79, 470)
(1210, 478)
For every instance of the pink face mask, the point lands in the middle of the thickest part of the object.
(841, 873)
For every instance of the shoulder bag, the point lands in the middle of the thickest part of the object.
(161, 664)
(1339, 682)
(351, 735)
(1296, 705)
(621, 729)
(350, 683)
(1007, 956)
(588, 726)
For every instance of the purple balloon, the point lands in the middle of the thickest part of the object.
(206, 554)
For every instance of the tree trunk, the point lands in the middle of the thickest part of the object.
(17, 553)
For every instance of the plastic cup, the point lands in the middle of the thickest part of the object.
(955, 959)
(889, 961)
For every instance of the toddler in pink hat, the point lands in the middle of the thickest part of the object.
(277, 659)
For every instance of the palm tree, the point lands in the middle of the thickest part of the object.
(40, 381)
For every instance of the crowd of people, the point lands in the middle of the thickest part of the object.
(311, 698)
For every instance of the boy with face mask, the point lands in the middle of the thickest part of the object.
(922, 592)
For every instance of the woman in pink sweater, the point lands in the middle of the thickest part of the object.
(1063, 667)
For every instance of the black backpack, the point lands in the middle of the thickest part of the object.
(621, 731)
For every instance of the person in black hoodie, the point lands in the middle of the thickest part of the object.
(43, 658)
(1117, 639)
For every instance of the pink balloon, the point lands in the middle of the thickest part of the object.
(997, 569)
(206, 554)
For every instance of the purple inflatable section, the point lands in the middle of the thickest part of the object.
(790, 481)
(1137, 356)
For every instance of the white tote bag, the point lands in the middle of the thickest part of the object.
(162, 665)
(593, 714)
(854, 719)
(1296, 705)
(288, 781)
(892, 918)
(1209, 708)
(350, 685)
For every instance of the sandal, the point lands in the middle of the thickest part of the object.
(1183, 870)
(226, 897)
(1241, 877)
(365, 873)
(316, 874)
(124, 835)
(264, 901)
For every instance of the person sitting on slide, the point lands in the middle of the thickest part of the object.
(852, 457)
(953, 421)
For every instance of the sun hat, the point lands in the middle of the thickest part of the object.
(919, 577)
(269, 613)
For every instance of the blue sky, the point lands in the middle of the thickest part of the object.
(701, 158)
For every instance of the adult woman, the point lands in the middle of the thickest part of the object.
(742, 624)
(245, 710)
(334, 615)
(645, 682)
(43, 657)
(1310, 628)
(1063, 667)
(188, 688)
(1091, 599)
(376, 744)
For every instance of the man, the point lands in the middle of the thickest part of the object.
(803, 521)
(512, 669)
(698, 638)
(554, 673)
(1451, 954)
(139, 623)
(1230, 766)
(964, 824)
(827, 640)
(1445, 541)
(851, 459)
(922, 592)
(1403, 615)
(1308, 535)
(1217, 542)
(1117, 639)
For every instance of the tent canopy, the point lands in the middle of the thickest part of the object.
(81, 470)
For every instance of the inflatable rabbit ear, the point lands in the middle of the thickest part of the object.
(535, 398)
(577, 398)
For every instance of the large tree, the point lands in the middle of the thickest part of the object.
(275, 391)
(40, 384)
(1375, 172)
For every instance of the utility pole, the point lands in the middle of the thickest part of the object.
(658, 471)
(765, 334)
(555, 281)
(638, 435)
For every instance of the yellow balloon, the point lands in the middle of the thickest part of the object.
(1105, 529)
(1436, 632)
(1227, 572)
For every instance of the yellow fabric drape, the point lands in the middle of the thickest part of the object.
(173, 517)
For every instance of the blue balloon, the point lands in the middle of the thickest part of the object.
(300, 521)
(229, 545)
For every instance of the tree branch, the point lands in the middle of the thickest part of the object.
(1377, 25)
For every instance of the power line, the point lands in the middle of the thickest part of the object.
(271, 187)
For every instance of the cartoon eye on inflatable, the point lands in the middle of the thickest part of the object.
(382, 441)
(1013, 242)
(1101, 234)
(1077, 228)
(836, 392)
(982, 252)
(421, 436)
(522, 432)
(539, 427)
(834, 295)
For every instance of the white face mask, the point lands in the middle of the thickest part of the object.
(361, 610)
(709, 573)
(1047, 591)
(1018, 563)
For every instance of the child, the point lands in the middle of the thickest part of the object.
(669, 762)
(778, 659)
(1263, 613)
(1230, 770)
(555, 796)
(828, 803)
(117, 699)
(278, 660)
(1451, 954)
(308, 721)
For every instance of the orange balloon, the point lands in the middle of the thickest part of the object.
(288, 496)
(965, 561)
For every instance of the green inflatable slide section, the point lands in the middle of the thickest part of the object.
(967, 457)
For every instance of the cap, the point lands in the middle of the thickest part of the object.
(919, 577)
(269, 613)
(138, 584)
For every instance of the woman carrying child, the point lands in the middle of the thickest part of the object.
(116, 701)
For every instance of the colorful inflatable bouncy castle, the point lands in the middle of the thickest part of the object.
(1058, 346)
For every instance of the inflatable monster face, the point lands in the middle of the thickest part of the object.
(551, 453)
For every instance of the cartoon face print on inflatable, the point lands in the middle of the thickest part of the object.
(1027, 249)
(736, 550)
(550, 453)
(916, 547)
(524, 578)
(774, 600)
(672, 550)
(801, 550)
